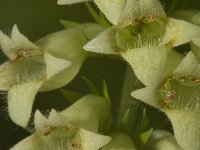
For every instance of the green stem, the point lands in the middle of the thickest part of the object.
(124, 101)
(172, 7)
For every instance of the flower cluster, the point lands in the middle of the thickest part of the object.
(143, 35)
(146, 38)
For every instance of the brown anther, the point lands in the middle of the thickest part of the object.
(47, 131)
(197, 81)
(170, 96)
(148, 19)
(74, 145)
(23, 53)
(134, 21)
(13, 56)
(182, 79)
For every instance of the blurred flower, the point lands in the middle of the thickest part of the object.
(162, 140)
(75, 128)
(50, 63)
(120, 141)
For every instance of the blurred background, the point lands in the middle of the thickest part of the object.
(36, 18)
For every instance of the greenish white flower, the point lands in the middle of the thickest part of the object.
(179, 98)
(47, 64)
(140, 27)
(145, 37)
(74, 128)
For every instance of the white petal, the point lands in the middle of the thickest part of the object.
(20, 40)
(186, 128)
(104, 43)
(40, 121)
(8, 46)
(62, 78)
(140, 8)
(90, 141)
(67, 2)
(20, 101)
(195, 47)
(147, 95)
(88, 112)
(5, 76)
(112, 9)
(30, 143)
(152, 65)
(54, 65)
(188, 71)
(179, 32)
(56, 119)
(62, 45)
(162, 140)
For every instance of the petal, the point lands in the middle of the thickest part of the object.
(32, 142)
(5, 76)
(57, 120)
(188, 71)
(20, 101)
(104, 43)
(139, 8)
(120, 141)
(20, 40)
(162, 140)
(90, 141)
(54, 65)
(195, 47)
(179, 32)
(40, 121)
(17, 45)
(8, 46)
(68, 2)
(62, 45)
(112, 9)
(89, 112)
(152, 65)
(186, 128)
(69, 24)
(62, 78)
(148, 95)
(91, 30)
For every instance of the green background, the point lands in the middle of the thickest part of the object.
(36, 18)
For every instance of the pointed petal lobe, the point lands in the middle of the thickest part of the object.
(20, 101)
(54, 65)
(104, 43)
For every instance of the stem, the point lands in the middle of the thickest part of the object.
(172, 7)
(124, 101)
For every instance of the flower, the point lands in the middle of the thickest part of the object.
(47, 64)
(178, 97)
(143, 35)
(74, 128)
